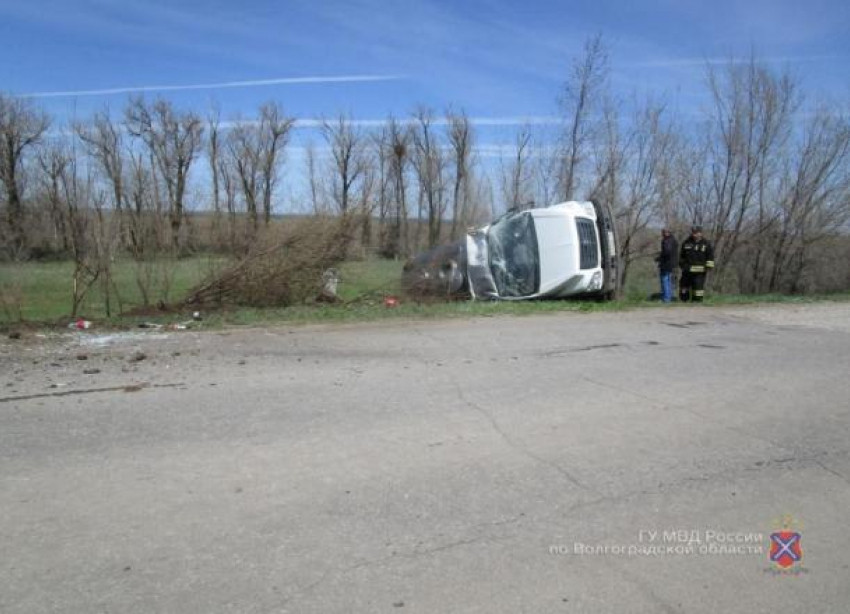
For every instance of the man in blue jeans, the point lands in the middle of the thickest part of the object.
(667, 264)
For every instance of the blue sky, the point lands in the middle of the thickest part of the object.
(502, 62)
(495, 59)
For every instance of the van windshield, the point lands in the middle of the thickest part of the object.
(514, 258)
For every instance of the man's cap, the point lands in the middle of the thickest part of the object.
(696, 228)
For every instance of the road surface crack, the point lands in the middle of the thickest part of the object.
(669, 406)
(414, 554)
(518, 447)
(837, 474)
(65, 393)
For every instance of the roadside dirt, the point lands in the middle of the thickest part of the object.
(88, 362)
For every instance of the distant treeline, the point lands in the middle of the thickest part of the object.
(765, 169)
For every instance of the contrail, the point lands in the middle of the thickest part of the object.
(212, 86)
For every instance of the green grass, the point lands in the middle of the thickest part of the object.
(369, 278)
(41, 293)
(364, 311)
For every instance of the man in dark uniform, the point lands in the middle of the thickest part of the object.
(696, 258)
(667, 264)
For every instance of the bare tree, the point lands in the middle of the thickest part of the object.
(230, 189)
(366, 199)
(94, 251)
(347, 145)
(76, 192)
(314, 180)
(460, 143)
(516, 175)
(73, 190)
(817, 203)
(580, 100)
(214, 159)
(244, 158)
(430, 165)
(53, 163)
(21, 127)
(174, 140)
(398, 142)
(544, 167)
(275, 128)
(693, 175)
(255, 150)
(382, 167)
(104, 144)
(634, 176)
(483, 200)
(750, 124)
(150, 267)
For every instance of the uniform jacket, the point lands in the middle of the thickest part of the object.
(696, 256)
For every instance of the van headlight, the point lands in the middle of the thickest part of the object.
(596, 281)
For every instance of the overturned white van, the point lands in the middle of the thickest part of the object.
(565, 250)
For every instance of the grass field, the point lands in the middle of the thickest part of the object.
(41, 293)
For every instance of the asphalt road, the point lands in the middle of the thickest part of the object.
(629, 462)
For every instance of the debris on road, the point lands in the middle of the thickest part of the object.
(115, 338)
(330, 283)
(196, 317)
(138, 357)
